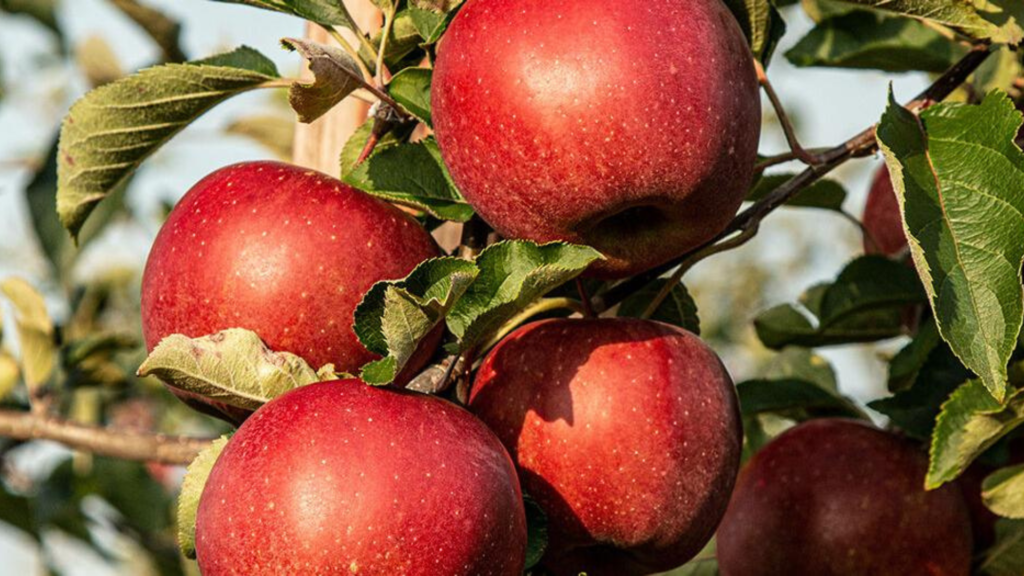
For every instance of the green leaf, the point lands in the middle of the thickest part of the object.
(704, 564)
(995, 20)
(436, 5)
(825, 194)
(164, 31)
(35, 332)
(16, 511)
(191, 491)
(999, 71)
(802, 364)
(677, 309)
(411, 89)
(412, 175)
(324, 12)
(429, 24)
(971, 421)
(761, 24)
(864, 304)
(9, 374)
(863, 39)
(915, 409)
(959, 178)
(396, 315)
(112, 129)
(403, 41)
(336, 76)
(1003, 492)
(1006, 556)
(357, 142)
(787, 395)
(909, 361)
(233, 367)
(513, 274)
(536, 531)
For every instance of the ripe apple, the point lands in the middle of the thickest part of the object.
(280, 250)
(882, 218)
(343, 478)
(840, 497)
(628, 126)
(626, 432)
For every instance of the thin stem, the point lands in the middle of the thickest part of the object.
(122, 444)
(863, 229)
(787, 126)
(367, 75)
(538, 307)
(357, 30)
(389, 20)
(783, 158)
(588, 310)
(863, 144)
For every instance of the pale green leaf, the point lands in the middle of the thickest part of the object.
(35, 332)
(233, 367)
(1003, 492)
(971, 421)
(336, 76)
(9, 374)
(436, 5)
(191, 491)
(513, 274)
(959, 179)
(395, 316)
(112, 129)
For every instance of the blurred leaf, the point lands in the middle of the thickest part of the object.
(42, 11)
(864, 304)
(820, 10)
(9, 374)
(960, 181)
(536, 531)
(234, 367)
(971, 421)
(864, 39)
(703, 564)
(129, 487)
(412, 175)
(191, 491)
(16, 511)
(98, 61)
(825, 194)
(336, 76)
(1003, 492)
(802, 364)
(999, 71)
(324, 12)
(677, 309)
(164, 31)
(275, 133)
(982, 20)
(1006, 556)
(112, 129)
(411, 89)
(35, 332)
(395, 316)
(513, 274)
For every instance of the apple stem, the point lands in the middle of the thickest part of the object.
(588, 310)
(747, 221)
(123, 444)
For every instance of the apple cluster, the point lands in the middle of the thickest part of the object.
(631, 127)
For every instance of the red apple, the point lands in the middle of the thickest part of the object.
(626, 432)
(628, 126)
(882, 218)
(343, 478)
(840, 497)
(280, 250)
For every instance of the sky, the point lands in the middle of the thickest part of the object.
(828, 105)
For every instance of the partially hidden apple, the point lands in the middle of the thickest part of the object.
(343, 478)
(882, 219)
(626, 432)
(843, 498)
(283, 251)
(629, 126)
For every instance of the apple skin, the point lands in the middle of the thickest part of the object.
(628, 126)
(626, 432)
(283, 251)
(840, 497)
(882, 218)
(340, 477)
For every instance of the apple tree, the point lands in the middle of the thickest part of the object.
(464, 344)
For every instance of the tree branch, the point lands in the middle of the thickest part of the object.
(861, 145)
(124, 444)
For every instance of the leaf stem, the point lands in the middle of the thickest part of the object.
(389, 20)
(538, 307)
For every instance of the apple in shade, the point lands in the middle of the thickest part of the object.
(283, 251)
(629, 126)
(882, 218)
(343, 478)
(626, 432)
(840, 497)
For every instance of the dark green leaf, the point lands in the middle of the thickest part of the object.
(786, 395)
(16, 511)
(411, 89)
(960, 180)
(678, 308)
(826, 194)
(802, 364)
(326, 12)
(412, 175)
(1006, 556)
(761, 24)
(907, 364)
(536, 531)
(513, 274)
(396, 315)
(111, 130)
